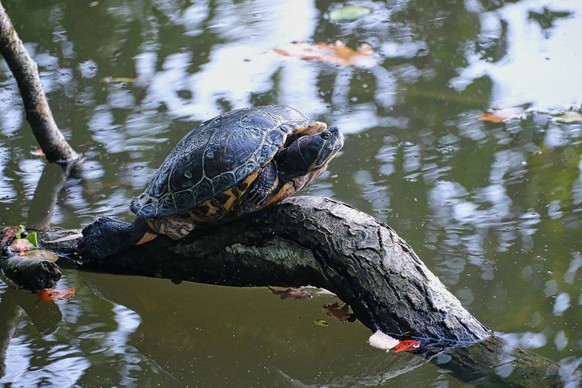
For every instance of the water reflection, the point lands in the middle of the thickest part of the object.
(492, 208)
(527, 35)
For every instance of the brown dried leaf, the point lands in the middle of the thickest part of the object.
(10, 233)
(336, 53)
(292, 293)
(20, 245)
(503, 115)
(341, 313)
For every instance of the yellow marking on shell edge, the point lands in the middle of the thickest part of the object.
(232, 197)
(248, 181)
(179, 226)
(212, 209)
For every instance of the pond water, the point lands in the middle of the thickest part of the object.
(493, 209)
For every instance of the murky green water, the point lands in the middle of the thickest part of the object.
(492, 209)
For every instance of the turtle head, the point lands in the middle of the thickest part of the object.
(310, 153)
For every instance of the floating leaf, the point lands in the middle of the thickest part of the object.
(349, 13)
(382, 341)
(336, 53)
(292, 293)
(20, 245)
(112, 80)
(341, 313)
(10, 233)
(503, 115)
(570, 117)
(320, 322)
(41, 254)
(49, 295)
(406, 346)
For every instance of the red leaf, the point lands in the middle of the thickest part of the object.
(292, 293)
(406, 346)
(49, 295)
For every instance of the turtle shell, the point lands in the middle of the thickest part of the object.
(215, 162)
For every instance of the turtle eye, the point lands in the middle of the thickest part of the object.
(326, 136)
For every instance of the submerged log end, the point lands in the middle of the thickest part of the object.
(30, 273)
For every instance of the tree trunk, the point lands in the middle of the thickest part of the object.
(38, 113)
(327, 244)
(323, 243)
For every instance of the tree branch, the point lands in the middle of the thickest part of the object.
(38, 112)
(325, 243)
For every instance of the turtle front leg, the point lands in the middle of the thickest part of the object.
(263, 188)
(107, 236)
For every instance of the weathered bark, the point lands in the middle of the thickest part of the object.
(38, 113)
(31, 273)
(320, 242)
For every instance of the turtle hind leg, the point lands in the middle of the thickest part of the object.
(107, 236)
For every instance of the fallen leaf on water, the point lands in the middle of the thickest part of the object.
(10, 233)
(336, 53)
(111, 80)
(320, 322)
(382, 341)
(503, 115)
(49, 295)
(570, 117)
(341, 313)
(20, 245)
(292, 293)
(126, 80)
(348, 13)
(406, 346)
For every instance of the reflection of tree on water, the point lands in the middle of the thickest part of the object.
(70, 343)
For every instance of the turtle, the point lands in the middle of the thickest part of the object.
(234, 164)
